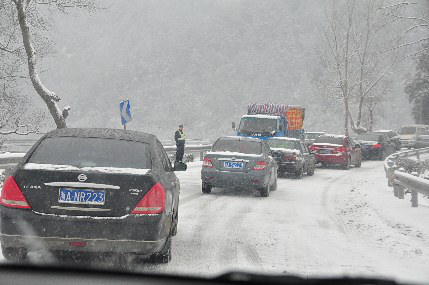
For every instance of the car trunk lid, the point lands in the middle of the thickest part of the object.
(233, 162)
(67, 190)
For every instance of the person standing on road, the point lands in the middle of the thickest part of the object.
(180, 138)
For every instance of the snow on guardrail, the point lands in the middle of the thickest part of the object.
(408, 171)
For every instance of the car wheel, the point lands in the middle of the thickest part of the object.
(207, 189)
(382, 155)
(164, 256)
(310, 172)
(274, 186)
(175, 222)
(265, 191)
(298, 173)
(16, 255)
(359, 163)
(347, 165)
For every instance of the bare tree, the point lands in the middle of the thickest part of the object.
(28, 19)
(358, 51)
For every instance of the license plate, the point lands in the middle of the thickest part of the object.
(233, 164)
(325, 151)
(81, 196)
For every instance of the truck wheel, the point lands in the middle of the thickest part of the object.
(207, 189)
(298, 173)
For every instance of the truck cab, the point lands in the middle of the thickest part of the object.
(262, 126)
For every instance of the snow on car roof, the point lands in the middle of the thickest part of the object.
(321, 132)
(261, 116)
(102, 133)
(383, 131)
(333, 136)
(241, 138)
(284, 139)
(111, 170)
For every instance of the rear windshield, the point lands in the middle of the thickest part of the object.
(92, 152)
(312, 136)
(329, 139)
(408, 131)
(369, 137)
(247, 147)
(288, 144)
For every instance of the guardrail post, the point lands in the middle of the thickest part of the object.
(414, 199)
(398, 191)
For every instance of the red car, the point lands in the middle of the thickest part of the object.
(337, 149)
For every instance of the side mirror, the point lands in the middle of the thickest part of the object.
(233, 126)
(180, 166)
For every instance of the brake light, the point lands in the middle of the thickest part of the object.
(377, 145)
(207, 162)
(11, 195)
(152, 203)
(340, 149)
(260, 165)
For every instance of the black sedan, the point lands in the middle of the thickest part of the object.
(375, 145)
(293, 156)
(91, 190)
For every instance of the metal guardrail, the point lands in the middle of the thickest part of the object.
(9, 160)
(403, 171)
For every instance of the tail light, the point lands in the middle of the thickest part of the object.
(289, 157)
(377, 145)
(152, 203)
(260, 165)
(340, 149)
(207, 162)
(313, 148)
(11, 195)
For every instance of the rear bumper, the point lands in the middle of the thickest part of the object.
(254, 179)
(289, 166)
(129, 234)
(370, 153)
(420, 144)
(36, 243)
(331, 158)
(408, 143)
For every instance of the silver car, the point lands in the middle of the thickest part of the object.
(239, 162)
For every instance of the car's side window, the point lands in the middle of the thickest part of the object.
(165, 161)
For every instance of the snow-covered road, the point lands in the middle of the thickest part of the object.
(336, 222)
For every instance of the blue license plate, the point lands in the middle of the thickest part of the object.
(81, 196)
(233, 164)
